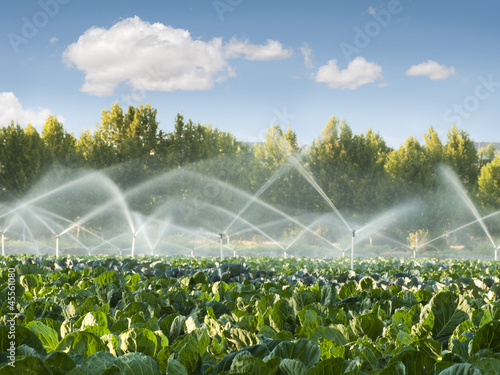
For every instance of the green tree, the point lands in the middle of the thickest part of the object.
(350, 168)
(94, 151)
(489, 184)
(487, 154)
(409, 166)
(23, 158)
(61, 144)
(135, 134)
(190, 142)
(461, 154)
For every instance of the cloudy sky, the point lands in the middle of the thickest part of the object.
(396, 67)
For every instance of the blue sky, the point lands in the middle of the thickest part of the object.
(396, 67)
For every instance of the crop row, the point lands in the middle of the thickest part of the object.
(249, 316)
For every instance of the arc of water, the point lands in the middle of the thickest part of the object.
(259, 192)
(396, 241)
(460, 228)
(468, 202)
(308, 176)
(45, 195)
(229, 213)
(120, 199)
(309, 227)
(57, 216)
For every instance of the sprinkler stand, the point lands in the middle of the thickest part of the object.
(57, 246)
(352, 249)
(221, 250)
(134, 235)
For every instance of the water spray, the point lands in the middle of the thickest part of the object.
(352, 249)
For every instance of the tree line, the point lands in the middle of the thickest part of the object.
(359, 173)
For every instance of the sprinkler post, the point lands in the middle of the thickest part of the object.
(221, 236)
(3, 243)
(496, 252)
(415, 249)
(57, 246)
(134, 235)
(284, 254)
(352, 249)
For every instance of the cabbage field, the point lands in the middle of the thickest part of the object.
(149, 316)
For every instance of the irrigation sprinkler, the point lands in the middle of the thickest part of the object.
(221, 236)
(3, 243)
(192, 253)
(415, 249)
(496, 252)
(57, 246)
(134, 235)
(352, 249)
(284, 254)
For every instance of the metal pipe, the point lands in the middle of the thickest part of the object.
(133, 244)
(221, 250)
(352, 249)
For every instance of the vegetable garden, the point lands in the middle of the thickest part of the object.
(91, 315)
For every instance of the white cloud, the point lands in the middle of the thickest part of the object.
(372, 10)
(273, 50)
(359, 72)
(432, 70)
(53, 40)
(307, 53)
(12, 110)
(158, 57)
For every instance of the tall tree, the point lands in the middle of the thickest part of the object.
(350, 168)
(461, 154)
(489, 184)
(95, 151)
(61, 144)
(23, 158)
(135, 134)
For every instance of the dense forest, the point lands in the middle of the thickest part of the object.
(359, 173)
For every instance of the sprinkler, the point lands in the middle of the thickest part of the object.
(3, 243)
(57, 246)
(415, 249)
(284, 254)
(221, 236)
(192, 253)
(496, 252)
(134, 235)
(352, 249)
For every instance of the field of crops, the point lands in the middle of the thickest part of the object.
(248, 316)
